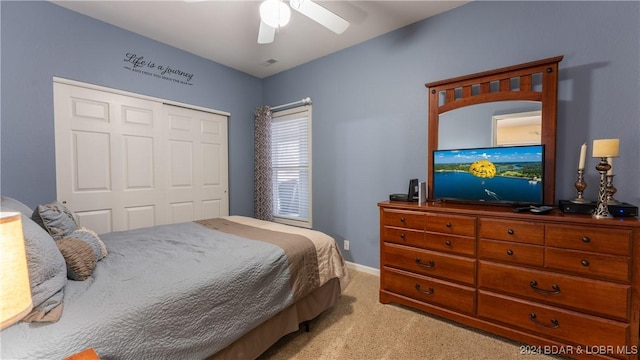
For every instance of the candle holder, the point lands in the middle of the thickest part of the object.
(580, 186)
(602, 211)
(611, 190)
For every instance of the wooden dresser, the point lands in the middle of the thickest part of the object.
(564, 284)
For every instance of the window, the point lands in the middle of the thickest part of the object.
(291, 165)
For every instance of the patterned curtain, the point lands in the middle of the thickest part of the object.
(263, 193)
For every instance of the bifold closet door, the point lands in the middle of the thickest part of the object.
(197, 164)
(122, 162)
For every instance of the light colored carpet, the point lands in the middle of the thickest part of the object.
(359, 327)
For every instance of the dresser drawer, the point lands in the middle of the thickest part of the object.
(431, 263)
(518, 231)
(589, 264)
(463, 245)
(511, 252)
(404, 236)
(442, 293)
(404, 219)
(593, 296)
(600, 240)
(451, 224)
(553, 322)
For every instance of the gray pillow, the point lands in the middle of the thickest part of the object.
(14, 205)
(56, 219)
(47, 269)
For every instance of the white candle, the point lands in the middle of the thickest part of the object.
(610, 161)
(606, 148)
(583, 155)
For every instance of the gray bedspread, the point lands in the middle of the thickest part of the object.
(180, 291)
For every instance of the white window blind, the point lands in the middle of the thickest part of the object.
(291, 165)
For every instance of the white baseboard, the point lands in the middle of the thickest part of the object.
(362, 268)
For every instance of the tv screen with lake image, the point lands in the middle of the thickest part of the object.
(510, 174)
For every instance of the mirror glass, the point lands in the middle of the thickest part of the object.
(478, 125)
(522, 128)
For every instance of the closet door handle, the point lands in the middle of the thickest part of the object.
(586, 239)
(554, 322)
(510, 232)
(584, 262)
(555, 289)
(510, 252)
(427, 265)
(429, 290)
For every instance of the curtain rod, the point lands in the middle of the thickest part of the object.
(305, 101)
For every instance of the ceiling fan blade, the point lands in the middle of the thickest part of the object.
(321, 15)
(266, 34)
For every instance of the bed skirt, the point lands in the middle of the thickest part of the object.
(258, 340)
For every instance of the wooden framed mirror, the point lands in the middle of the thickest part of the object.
(526, 88)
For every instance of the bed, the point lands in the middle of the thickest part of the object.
(219, 288)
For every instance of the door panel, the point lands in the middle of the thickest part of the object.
(138, 158)
(96, 220)
(92, 161)
(182, 212)
(181, 165)
(140, 216)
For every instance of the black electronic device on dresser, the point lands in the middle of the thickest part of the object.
(410, 196)
(617, 210)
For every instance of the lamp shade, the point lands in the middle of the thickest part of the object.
(606, 148)
(15, 292)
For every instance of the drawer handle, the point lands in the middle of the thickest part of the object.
(448, 242)
(428, 265)
(509, 252)
(402, 219)
(554, 322)
(584, 262)
(555, 287)
(586, 239)
(510, 232)
(448, 224)
(402, 236)
(429, 291)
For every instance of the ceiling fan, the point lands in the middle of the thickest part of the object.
(275, 13)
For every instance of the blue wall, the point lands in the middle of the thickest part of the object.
(369, 101)
(41, 40)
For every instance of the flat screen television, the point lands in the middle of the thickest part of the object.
(498, 175)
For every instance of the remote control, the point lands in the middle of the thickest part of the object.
(541, 209)
(521, 209)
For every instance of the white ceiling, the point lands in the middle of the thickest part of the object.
(226, 31)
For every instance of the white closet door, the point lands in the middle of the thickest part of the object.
(114, 162)
(197, 155)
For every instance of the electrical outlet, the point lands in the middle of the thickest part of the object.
(346, 244)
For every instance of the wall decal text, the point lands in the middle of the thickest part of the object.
(139, 64)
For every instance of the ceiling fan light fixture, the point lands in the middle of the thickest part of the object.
(274, 13)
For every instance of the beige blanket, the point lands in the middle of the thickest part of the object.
(300, 251)
(330, 261)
